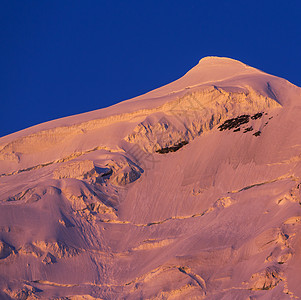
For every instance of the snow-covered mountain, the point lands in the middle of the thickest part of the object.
(191, 191)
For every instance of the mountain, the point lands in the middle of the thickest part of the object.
(191, 191)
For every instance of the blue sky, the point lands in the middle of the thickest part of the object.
(59, 58)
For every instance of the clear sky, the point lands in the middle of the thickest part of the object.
(59, 58)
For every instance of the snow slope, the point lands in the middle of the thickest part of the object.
(191, 191)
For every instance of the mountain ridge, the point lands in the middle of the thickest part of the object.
(190, 191)
(61, 122)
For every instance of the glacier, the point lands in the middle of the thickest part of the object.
(190, 191)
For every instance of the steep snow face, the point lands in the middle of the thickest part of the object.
(189, 191)
(194, 114)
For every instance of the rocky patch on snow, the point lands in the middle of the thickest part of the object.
(173, 148)
(234, 122)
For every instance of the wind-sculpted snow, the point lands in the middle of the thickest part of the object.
(191, 191)
(171, 123)
(195, 113)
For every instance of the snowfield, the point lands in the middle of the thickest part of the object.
(191, 191)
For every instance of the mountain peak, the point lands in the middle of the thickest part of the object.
(209, 71)
(212, 68)
(219, 60)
